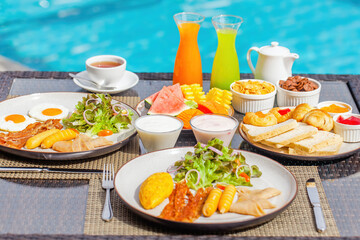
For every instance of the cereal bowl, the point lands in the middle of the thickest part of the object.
(350, 133)
(244, 103)
(328, 106)
(291, 98)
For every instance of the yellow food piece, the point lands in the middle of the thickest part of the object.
(155, 189)
(334, 108)
(222, 97)
(253, 87)
(193, 92)
(36, 140)
(63, 135)
(211, 202)
(227, 198)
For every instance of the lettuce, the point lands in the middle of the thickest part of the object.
(99, 111)
(213, 167)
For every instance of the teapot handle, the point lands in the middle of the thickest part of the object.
(248, 58)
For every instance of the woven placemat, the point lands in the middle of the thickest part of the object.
(117, 158)
(297, 220)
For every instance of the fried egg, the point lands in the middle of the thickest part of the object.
(15, 122)
(45, 111)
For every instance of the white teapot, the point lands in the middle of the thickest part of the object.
(274, 62)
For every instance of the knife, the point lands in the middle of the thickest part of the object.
(44, 169)
(315, 202)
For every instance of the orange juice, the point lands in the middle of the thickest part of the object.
(187, 68)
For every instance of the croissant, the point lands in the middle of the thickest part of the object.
(281, 118)
(260, 119)
(300, 111)
(320, 119)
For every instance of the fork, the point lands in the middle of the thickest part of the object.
(108, 184)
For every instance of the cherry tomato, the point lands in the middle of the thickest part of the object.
(219, 186)
(244, 175)
(104, 133)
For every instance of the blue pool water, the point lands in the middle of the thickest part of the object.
(58, 35)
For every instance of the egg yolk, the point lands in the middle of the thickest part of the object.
(51, 111)
(16, 118)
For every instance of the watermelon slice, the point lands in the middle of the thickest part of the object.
(175, 89)
(150, 100)
(167, 103)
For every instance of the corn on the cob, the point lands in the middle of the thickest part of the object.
(222, 97)
(193, 92)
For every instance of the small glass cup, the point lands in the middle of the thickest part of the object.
(209, 126)
(158, 131)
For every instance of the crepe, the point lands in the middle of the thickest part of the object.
(253, 202)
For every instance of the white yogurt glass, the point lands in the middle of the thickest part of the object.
(209, 126)
(158, 131)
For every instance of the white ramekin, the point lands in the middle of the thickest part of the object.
(252, 103)
(290, 98)
(328, 103)
(350, 133)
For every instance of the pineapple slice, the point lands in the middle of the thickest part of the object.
(222, 97)
(193, 92)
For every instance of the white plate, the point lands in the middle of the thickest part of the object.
(130, 176)
(346, 149)
(22, 105)
(128, 81)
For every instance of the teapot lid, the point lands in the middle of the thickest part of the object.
(274, 50)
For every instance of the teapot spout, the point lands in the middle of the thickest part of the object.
(289, 61)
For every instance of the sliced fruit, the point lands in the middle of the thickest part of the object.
(176, 90)
(193, 92)
(186, 115)
(167, 103)
(223, 97)
(212, 107)
(150, 100)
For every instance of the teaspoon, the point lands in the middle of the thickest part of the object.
(92, 82)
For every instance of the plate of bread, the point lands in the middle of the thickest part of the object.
(302, 133)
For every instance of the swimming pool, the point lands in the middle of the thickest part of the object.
(58, 35)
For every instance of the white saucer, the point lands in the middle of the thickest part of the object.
(128, 81)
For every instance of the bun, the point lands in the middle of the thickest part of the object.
(300, 111)
(320, 119)
(260, 119)
(281, 118)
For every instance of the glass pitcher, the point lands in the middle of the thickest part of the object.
(225, 68)
(187, 69)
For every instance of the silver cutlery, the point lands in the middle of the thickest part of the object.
(97, 85)
(45, 169)
(107, 184)
(315, 202)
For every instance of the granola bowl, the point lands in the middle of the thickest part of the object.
(293, 98)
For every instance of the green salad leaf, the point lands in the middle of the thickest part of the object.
(214, 163)
(99, 114)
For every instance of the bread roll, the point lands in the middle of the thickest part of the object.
(281, 118)
(260, 119)
(320, 119)
(300, 111)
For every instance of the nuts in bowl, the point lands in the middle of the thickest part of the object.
(296, 90)
(252, 95)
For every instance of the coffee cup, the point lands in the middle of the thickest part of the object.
(106, 70)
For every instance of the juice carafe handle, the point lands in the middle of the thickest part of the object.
(248, 58)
